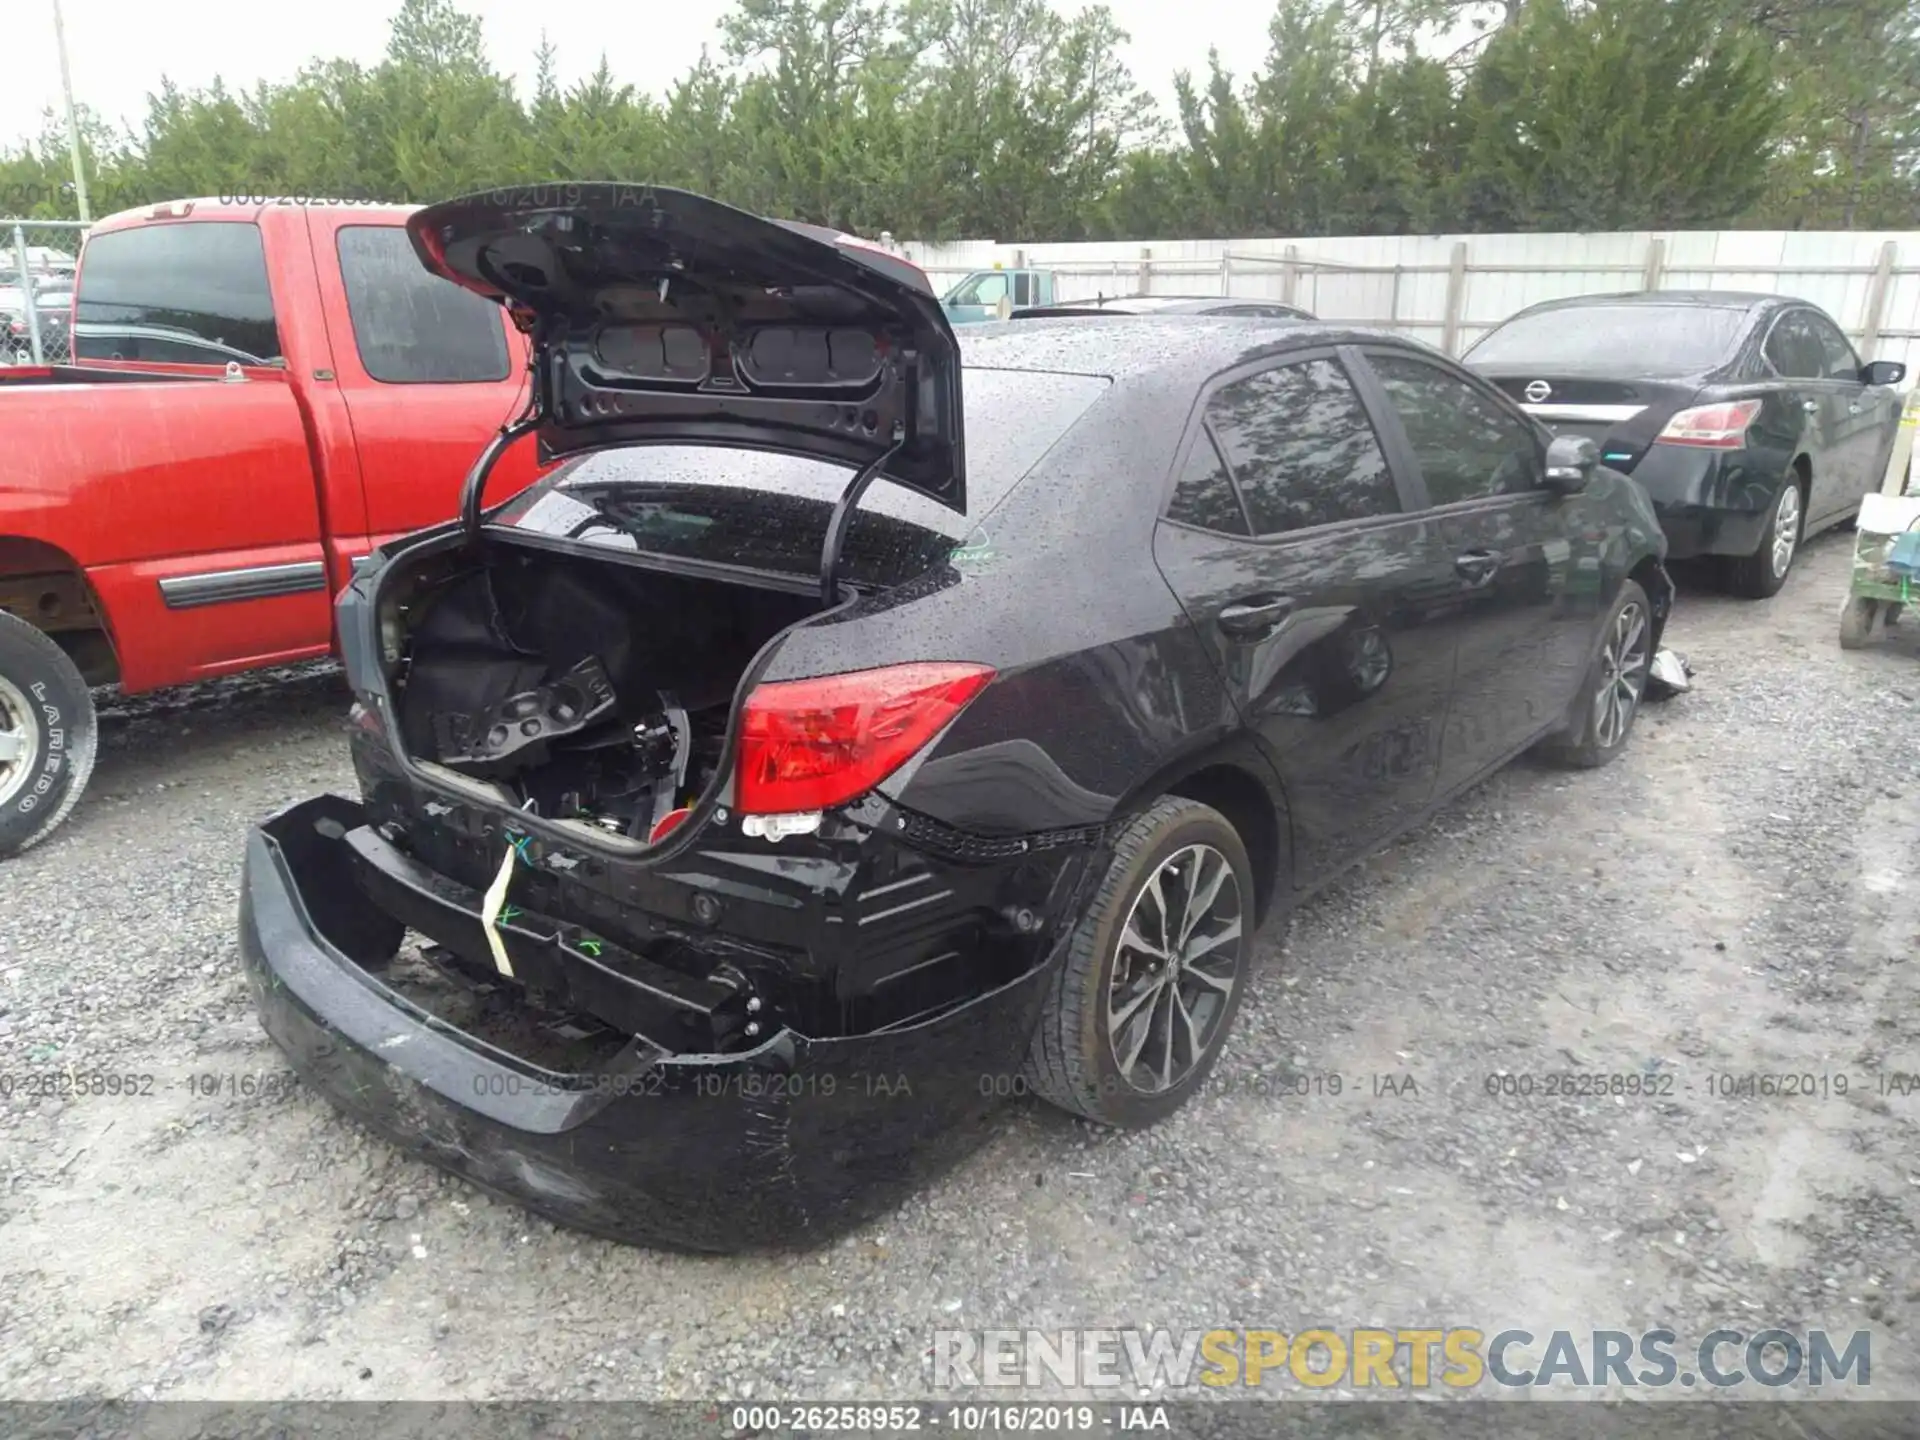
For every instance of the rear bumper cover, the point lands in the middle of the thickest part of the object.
(1709, 502)
(1696, 530)
(786, 1145)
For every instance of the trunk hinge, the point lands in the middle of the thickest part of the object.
(849, 500)
(474, 488)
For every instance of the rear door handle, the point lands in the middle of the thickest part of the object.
(1476, 567)
(1256, 616)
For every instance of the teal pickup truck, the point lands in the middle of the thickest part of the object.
(995, 294)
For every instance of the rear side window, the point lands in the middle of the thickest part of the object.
(193, 291)
(410, 326)
(1204, 497)
(1841, 363)
(1301, 448)
(1794, 348)
(1468, 447)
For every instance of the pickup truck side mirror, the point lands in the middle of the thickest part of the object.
(1883, 372)
(1570, 463)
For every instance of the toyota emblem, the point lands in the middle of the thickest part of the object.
(1537, 390)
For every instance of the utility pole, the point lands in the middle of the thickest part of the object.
(73, 121)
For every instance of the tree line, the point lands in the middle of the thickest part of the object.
(943, 119)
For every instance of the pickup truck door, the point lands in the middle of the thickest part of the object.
(190, 504)
(428, 372)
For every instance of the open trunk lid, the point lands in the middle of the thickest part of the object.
(663, 317)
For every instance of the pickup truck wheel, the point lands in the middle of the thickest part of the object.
(47, 735)
(1154, 971)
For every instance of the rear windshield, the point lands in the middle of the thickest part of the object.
(1623, 339)
(771, 511)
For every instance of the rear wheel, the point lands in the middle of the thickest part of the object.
(1609, 701)
(1762, 573)
(1154, 971)
(46, 735)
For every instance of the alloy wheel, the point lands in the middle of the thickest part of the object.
(19, 739)
(1786, 529)
(1174, 969)
(1625, 659)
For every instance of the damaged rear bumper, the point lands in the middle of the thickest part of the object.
(786, 1144)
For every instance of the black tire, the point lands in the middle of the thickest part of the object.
(1072, 1062)
(47, 708)
(1755, 576)
(1591, 739)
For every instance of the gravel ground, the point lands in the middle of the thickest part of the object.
(1739, 894)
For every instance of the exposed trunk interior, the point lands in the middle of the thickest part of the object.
(597, 690)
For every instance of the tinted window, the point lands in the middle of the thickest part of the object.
(1615, 339)
(1204, 497)
(204, 280)
(1840, 361)
(1794, 349)
(1467, 445)
(1301, 448)
(409, 325)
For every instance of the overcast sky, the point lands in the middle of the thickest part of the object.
(119, 49)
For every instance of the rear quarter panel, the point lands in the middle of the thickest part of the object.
(1102, 688)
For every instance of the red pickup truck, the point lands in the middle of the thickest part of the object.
(271, 390)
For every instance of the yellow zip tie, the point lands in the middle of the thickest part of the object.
(490, 913)
(496, 900)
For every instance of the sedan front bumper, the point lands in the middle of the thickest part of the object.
(788, 1144)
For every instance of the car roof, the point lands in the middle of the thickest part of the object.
(1198, 345)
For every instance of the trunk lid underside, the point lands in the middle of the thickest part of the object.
(660, 316)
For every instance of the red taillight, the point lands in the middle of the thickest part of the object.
(810, 744)
(1714, 427)
(667, 824)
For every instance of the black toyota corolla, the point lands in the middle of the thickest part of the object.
(805, 765)
(1748, 419)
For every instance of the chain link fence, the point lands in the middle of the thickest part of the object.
(36, 290)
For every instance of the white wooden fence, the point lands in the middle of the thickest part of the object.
(1450, 289)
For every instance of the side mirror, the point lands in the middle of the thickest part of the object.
(1883, 372)
(1570, 462)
